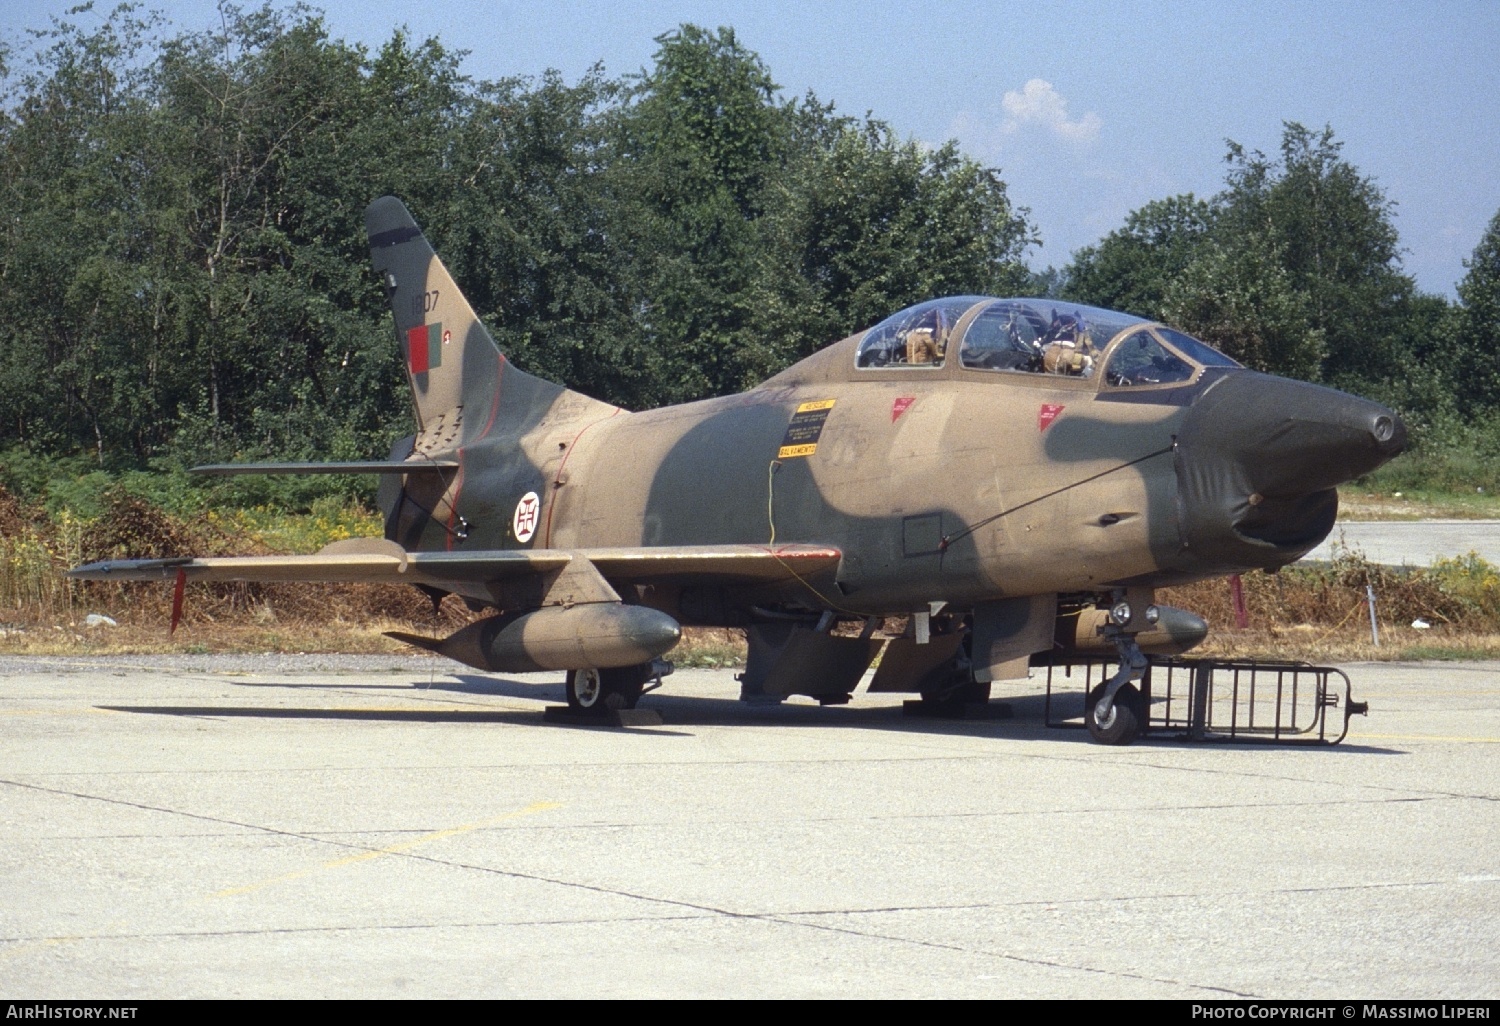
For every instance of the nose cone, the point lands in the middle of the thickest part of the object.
(1258, 459)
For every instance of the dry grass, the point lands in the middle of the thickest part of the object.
(710, 647)
(135, 639)
(700, 646)
(1313, 613)
(1320, 612)
(1313, 644)
(43, 612)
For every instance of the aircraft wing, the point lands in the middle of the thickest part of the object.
(749, 563)
(423, 466)
(378, 561)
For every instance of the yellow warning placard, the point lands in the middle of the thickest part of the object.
(806, 428)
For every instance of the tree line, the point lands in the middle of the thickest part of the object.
(183, 268)
(184, 274)
(1295, 268)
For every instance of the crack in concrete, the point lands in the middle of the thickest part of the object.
(708, 910)
(1023, 960)
(1125, 899)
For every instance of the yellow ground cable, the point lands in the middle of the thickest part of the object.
(771, 517)
(1358, 606)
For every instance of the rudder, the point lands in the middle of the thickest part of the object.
(450, 359)
(463, 387)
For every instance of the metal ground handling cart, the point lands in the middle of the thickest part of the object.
(1201, 699)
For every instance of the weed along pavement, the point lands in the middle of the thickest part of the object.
(392, 826)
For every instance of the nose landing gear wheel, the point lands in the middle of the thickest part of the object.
(618, 687)
(1123, 723)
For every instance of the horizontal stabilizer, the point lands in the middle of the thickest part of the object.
(378, 561)
(351, 467)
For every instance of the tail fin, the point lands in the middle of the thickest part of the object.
(442, 342)
(455, 368)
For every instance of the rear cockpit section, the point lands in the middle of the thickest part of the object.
(1040, 337)
(916, 337)
(1034, 336)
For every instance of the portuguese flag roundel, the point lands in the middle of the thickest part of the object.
(424, 347)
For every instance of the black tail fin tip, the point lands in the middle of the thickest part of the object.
(451, 361)
(449, 357)
(388, 223)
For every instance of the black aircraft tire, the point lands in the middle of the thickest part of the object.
(954, 698)
(946, 689)
(1127, 713)
(617, 687)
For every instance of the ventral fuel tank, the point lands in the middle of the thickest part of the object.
(1175, 632)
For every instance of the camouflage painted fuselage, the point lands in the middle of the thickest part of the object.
(884, 487)
(942, 485)
(1001, 464)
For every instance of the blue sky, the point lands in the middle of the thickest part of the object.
(1088, 109)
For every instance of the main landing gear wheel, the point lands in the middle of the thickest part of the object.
(1123, 723)
(618, 687)
(949, 688)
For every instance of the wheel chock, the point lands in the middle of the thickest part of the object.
(602, 718)
(965, 711)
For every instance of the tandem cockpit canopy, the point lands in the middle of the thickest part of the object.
(1035, 336)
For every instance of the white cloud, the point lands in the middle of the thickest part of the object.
(1038, 103)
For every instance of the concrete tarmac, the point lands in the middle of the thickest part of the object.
(402, 827)
(1412, 542)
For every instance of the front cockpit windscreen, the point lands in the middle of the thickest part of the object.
(1147, 357)
(1040, 336)
(1195, 350)
(917, 337)
(1141, 359)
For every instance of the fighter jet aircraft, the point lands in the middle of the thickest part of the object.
(1013, 477)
